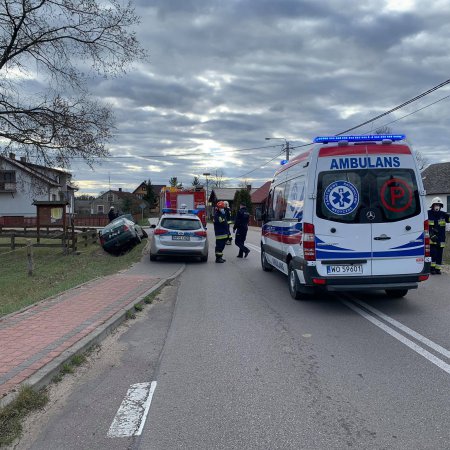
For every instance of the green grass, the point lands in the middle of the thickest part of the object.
(12, 414)
(54, 272)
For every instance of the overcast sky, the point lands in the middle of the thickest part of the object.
(223, 75)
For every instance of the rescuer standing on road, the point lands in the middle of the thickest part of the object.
(228, 213)
(436, 221)
(221, 230)
(241, 228)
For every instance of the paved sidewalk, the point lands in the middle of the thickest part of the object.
(42, 335)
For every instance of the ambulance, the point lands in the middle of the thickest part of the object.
(348, 215)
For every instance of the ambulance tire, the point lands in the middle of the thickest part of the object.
(396, 293)
(204, 258)
(294, 284)
(153, 257)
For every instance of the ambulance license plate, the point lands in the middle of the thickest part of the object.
(350, 269)
(181, 238)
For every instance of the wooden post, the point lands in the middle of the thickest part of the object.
(30, 257)
(13, 241)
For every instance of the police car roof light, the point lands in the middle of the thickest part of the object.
(360, 138)
(179, 211)
(284, 161)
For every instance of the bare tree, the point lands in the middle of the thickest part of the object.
(48, 40)
(218, 179)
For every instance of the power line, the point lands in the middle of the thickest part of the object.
(417, 97)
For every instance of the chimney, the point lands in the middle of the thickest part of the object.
(249, 187)
(120, 189)
(23, 159)
(12, 156)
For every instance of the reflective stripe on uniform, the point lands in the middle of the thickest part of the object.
(222, 236)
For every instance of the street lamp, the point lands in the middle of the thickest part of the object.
(286, 145)
(206, 175)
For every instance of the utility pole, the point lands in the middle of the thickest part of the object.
(287, 150)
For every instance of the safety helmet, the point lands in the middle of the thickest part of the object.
(437, 201)
(227, 205)
(220, 204)
(183, 206)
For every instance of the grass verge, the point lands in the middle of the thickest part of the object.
(12, 414)
(54, 272)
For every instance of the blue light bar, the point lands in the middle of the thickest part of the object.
(284, 161)
(179, 211)
(360, 138)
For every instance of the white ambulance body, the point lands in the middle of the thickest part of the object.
(349, 214)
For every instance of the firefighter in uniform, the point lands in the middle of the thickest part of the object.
(436, 221)
(228, 213)
(221, 230)
(241, 227)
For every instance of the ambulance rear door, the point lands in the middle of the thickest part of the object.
(398, 225)
(343, 240)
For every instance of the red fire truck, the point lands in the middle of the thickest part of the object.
(192, 199)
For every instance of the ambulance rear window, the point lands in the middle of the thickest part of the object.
(361, 196)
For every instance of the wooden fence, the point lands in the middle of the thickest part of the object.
(69, 239)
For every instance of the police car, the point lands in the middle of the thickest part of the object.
(349, 214)
(179, 233)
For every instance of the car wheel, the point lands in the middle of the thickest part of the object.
(264, 263)
(294, 284)
(396, 293)
(204, 258)
(144, 234)
(153, 257)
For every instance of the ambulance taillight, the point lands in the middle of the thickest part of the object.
(426, 239)
(309, 242)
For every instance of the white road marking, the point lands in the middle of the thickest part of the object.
(404, 340)
(253, 247)
(436, 347)
(132, 413)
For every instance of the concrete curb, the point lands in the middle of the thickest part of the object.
(45, 375)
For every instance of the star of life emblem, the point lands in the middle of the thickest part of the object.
(341, 197)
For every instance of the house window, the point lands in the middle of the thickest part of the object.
(100, 209)
(7, 176)
(53, 197)
(8, 180)
(110, 198)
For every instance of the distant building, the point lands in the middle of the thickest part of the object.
(121, 201)
(436, 181)
(22, 183)
(259, 197)
(141, 191)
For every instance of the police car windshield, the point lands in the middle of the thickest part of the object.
(360, 196)
(178, 223)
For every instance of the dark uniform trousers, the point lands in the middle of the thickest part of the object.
(241, 235)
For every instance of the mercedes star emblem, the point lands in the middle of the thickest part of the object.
(370, 215)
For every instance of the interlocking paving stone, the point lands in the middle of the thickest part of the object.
(34, 337)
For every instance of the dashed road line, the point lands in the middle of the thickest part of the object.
(132, 413)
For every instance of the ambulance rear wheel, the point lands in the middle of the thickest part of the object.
(264, 263)
(396, 293)
(294, 284)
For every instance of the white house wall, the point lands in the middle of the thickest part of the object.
(28, 189)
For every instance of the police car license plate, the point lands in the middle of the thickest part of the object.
(181, 238)
(349, 269)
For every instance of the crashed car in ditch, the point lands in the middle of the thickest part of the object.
(120, 234)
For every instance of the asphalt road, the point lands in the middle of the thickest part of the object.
(237, 364)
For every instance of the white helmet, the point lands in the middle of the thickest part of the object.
(183, 206)
(437, 201)
(227, 205)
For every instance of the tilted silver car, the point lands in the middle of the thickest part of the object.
(179, 234)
